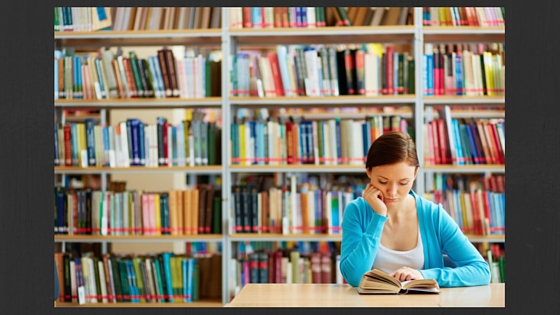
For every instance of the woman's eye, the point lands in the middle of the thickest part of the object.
(383, 183)
(404, 184)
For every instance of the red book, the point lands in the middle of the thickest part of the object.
(247, 17)
(165, 144)
(316, 268)
(495, 137)
(435, 140)
(289, 143)
(486, 207)
(436, 74)
(390, 50)
(277, 267)
(275, 67)
(445, 158)
(349, 66)
(67, 145)
(325, 268)
(277, 16)
(360, 71)
(130, 78)
(441, 72)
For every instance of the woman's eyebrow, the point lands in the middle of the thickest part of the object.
(406, 178)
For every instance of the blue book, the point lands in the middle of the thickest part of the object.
(185, 279)
(257, 17)
(234, 83)
(234, 143)
(303, 16)
(310, 145)
(174, 149)
(459, 146)
(430, 74)
(159, 77)
(190, 281)
(459, 74)
(80, 78)
(56, 159)
(466, 144)
(262, 143)
(90, 141)
(159, 280)
(476, 155)
(282, 53)
(338, 143)
(135, 143)
(134, 291)
(424, 75)
(301, 144)
(167, 271)
(130, 142)
(164, 213)
(100, 78)
(75, 149)
(335, 212)
(142, 142)
(106, 143)
(253, 136)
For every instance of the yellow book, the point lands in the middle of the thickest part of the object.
(442, 17)
(466, 226)
(488, 72)
(157, 212)
(242, 144)
(174, 280)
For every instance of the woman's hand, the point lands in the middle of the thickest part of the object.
(406, 273)
(374, 198)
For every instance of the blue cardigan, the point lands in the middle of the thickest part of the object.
(361, 233)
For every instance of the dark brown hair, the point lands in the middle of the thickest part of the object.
(391, 148)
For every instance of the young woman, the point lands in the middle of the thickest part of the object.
(393, 229)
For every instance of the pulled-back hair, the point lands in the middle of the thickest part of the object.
(391, 148)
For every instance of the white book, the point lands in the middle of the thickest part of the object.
(294, 210)
(73, 287)
(102, 282)
(328, 212)
(124, 144)
(312, 66)
(91, 278)
(311, 20)
(315, 147)
(327, 153)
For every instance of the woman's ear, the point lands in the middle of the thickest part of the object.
(368, 172)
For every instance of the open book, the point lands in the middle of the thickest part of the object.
(378, 282)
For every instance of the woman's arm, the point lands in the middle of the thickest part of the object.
(471, 268)
(359, 247)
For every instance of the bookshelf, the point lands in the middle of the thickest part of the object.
(230, 40)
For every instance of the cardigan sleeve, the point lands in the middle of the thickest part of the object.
(360, 240)
(471, 270)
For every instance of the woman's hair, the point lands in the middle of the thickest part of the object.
(391, 148)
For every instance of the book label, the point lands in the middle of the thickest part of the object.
(81, 295)
(84, 158)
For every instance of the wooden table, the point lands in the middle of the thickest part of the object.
(343, 295)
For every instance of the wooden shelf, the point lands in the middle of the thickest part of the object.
(215, 102)
(324, 35)
(139, 238)
(305, 168)
(211, 37)
(334, 237)
(214, 169)
(464, 100)
(328, 101)
(282, 237)
(463, 34)
(202, 303)
(479, 168)
(486, 238)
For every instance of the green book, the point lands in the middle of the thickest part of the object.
(56, 20)
(344, 16)
(208, 78)
(97, 278)
(411, 77)
(160, 283)
(217, 215)
(139, 279)
(125, 286)
(136, 74)
(113, 264)
(400, 88)
(196, 281)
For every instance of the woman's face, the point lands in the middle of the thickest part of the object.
(394, 181)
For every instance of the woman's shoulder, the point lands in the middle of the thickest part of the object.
(424, 205)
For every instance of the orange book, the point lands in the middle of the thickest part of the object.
(274, 66)
(164, 73)
(488, 158)
(179, 203)
(120, 86)
(173, 212)
(187, 194)
(194, 211)
(60, 273)
(130, 78)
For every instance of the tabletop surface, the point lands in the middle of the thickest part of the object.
(344, 295)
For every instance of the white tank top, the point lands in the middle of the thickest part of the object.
(388, 260)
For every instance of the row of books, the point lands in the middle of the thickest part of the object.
(312, 17)
(176, 212)
(322, 71)
(461, 182)
(496, 259)
(104, 75)
(476, 212)
(155, 278)
(463, 16)
(289, 209)
(297, 141)
(90, 19)
(134, 143)
(284, 266)
(472, 70)
(464, 141)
